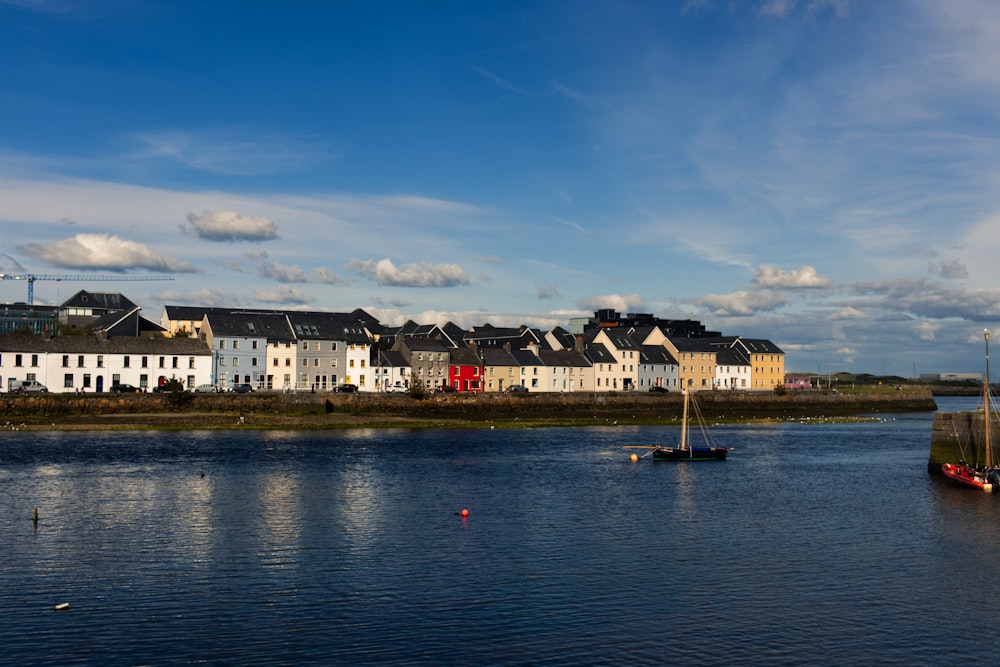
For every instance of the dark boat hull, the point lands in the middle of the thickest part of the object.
(690, 454)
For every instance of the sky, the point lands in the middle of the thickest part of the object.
(820, 173)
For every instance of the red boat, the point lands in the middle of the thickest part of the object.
(984, 478)
(965, 474)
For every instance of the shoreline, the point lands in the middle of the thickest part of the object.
(273, 411)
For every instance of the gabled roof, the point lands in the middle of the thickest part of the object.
(326, 326)
(267, 326)
(488, 335)
(96, 345)
(693, 344)
(564, 359)
(731, 356)
(463, 356)
(125, 324)
(526, 358)
(656, 354)
(389, 358)
(497, 356)
(598, 354)
(99, 301)
(421, 344)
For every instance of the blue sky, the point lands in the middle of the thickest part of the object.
(821, 173)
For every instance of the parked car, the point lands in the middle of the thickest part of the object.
(206, 389)
(659, 390)
(242, 388)
(396, 387)
(123, 389)
(348, 388)
(27, 387)
(445, 389)
(517, 389)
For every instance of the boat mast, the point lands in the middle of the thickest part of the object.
(986, 412)
(684, 423)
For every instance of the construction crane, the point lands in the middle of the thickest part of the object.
(32, 277)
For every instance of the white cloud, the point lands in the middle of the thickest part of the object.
(771, 276)
(230, 226)
(289, 296)
(103, 251)
(384, 272)
(742, 303)
(548, 292)
(623, 304)
(282, 273)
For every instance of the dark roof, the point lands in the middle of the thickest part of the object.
(99, 301)
(656, 354)
(269, 326)
(94, 345)
(463, 356)
(389, 358)
(598, 354)
(497, 356)
(565, 358)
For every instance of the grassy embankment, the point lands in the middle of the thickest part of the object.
(331, 411)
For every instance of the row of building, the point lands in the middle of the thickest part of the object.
(321, 351)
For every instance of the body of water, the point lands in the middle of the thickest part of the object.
(813, 544)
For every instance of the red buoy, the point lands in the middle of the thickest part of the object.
(465, 514)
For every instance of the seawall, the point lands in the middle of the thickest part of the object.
(958, 436)
(306, 410)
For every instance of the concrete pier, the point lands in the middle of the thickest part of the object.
(958, 436)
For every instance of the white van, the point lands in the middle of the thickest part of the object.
(26, 387)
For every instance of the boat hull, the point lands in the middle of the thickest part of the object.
(679, 454)
(966, 475)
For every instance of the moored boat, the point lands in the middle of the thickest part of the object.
(984, 478)
(684, 451)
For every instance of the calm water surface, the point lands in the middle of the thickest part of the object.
(812, 544)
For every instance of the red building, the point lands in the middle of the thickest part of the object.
(465, 371)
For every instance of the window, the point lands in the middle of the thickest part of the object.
(163, 362)
(86, 380)
(236, 344)
(316, 346)
(363, 363)
(253, 345)
(333, 347)
(236, 362)
(305, 362)
(191, 362)
(316, 362)
(145, 362)
(79, 361)
(68, 381)
(65, 363)
(222, 344)
(17, 360)
(126, 361)
(173, 362)
(222, 361)
(100, 361)
(274, 362)
(288, 361)
(350, 363)
(253, 362)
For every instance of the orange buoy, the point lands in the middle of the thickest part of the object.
(465, 514)
(634, 458)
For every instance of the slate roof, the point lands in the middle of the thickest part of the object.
(112, 301)
(656, 354)
(564, 358)
(12, 343)
(598, 354)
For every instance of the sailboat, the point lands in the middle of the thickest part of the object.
(684, 451)
(984, 478)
